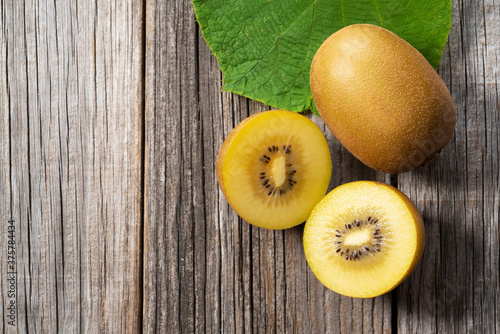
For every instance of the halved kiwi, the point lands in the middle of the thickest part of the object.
(363, 239)
(273, 168)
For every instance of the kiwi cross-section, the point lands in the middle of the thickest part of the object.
(363, 239)
(273, 168)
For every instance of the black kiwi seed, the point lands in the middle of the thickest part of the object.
(370, 247)
(267, 181)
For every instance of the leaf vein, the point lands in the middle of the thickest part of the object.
(275, 44)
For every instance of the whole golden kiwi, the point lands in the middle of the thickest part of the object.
(381, 98)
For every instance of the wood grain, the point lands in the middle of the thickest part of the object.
(112, 115)
(71, 128)
(456, 288)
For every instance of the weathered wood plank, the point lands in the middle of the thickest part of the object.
(174, 203)
(71, 84)
(71, 104)
(456, 287)
(206, 270)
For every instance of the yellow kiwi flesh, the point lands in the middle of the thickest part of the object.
(273, 168)
(381, 98)
(363, 239)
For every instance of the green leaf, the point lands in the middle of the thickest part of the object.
(265, 47)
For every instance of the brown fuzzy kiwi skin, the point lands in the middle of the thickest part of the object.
(381, 98)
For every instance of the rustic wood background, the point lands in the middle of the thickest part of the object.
(111, 119)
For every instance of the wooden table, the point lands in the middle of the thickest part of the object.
(111, 119)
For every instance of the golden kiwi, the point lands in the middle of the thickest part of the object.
(363, 239)
(273, 168)
(381, 98)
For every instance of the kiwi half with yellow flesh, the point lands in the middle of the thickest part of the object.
(363, 239)
(273, 168)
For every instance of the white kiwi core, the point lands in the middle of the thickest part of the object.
(357, 238)
(278, 170)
